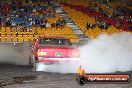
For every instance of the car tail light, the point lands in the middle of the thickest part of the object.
(75, 53)
(41, 53)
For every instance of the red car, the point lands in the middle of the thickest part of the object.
(52, 50)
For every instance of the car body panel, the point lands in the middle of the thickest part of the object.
(53, 53)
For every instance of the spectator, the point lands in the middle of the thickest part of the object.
(58, 23)
(53, 24)
(88, 25)
(27, 25)
(20, 27)
(37, 22)
(63, 22)
(104, 26)
(93, 26)
(13, 24)
(48, 25)
(119, 24)
(25, 16)
(43, 24)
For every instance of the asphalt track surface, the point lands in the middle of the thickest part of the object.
(16, 76)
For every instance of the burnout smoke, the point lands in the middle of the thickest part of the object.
(17, 54)
(62, 68)
(108, 53)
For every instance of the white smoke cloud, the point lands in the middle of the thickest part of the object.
(17, 54)
(62, 68)
(108, 53)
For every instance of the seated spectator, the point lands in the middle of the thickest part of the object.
(93, 26)
(53, 24)
(95, 6)
(63, 22)
(37, 22)
(43, 24)
(88, 25)
(7, 21)
(127, 19)
(13, 24)
(100, 10)
(108, 24)
(92, 8)
(20, 27)
(26, 16)
(47, 25)
(99, 24)
(34, 10)
(58, 23)
(27, 25)
(31, 23)
(43, 19)
(119, 24)
(130, 19)
(104, 26)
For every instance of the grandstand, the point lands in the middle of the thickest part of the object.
(25, 20)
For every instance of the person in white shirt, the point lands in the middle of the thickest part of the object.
(13, 24)
(48, 25)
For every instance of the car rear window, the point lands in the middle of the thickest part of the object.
(52, 41)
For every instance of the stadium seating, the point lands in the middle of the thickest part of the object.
(77, 12)
(81, 19)
(8, 34)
